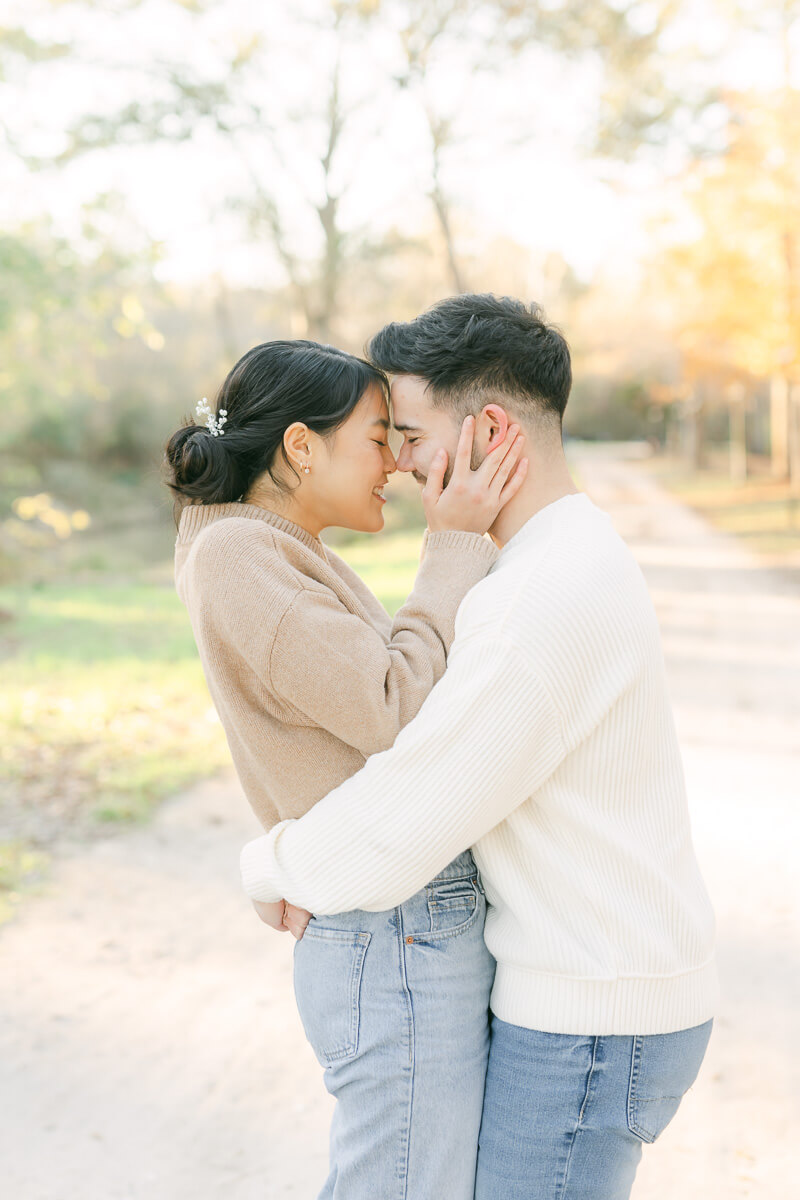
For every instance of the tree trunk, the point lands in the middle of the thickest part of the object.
(691, 437)
(794, 439)
(441, 209)
(692, 421)
(737, 441)
(779, 426)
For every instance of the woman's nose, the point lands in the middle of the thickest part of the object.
(389, 462)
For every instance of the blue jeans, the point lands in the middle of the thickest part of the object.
(396, 1008)
(565, 1117)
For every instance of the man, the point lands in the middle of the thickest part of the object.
(549, 748)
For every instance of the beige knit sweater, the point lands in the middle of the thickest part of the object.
(308, 672)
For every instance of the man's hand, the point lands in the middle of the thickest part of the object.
(284, 917)
(472, 499)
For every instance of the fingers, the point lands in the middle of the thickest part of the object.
(296, 920)
(507, 465)
(515, 482)
(271, 914)
(462, 462)
(435, 481)
(510, 445)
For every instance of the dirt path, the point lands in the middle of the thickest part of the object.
(148, 1038)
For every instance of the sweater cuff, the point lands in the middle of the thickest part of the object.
(255, 863)
(478, 545)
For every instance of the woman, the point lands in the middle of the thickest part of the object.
(310, 676)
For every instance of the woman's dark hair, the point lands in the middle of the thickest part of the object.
(468, 346)
(271, 387)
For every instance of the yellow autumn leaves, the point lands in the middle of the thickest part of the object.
(43, 510)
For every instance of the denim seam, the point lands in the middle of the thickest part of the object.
(562, 1185)
(356, 971)
(636, 1062)
(406, 1154)
(589, 1078)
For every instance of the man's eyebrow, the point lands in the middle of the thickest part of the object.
(407, 428)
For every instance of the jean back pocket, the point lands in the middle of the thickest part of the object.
(328, 965)
(663, 1068)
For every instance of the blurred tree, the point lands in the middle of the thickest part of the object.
(290, 149)
(62, 309)
(422, 28)
(303, 149)
(736, 283)
(654, 86)
(650, 87)
(296, 143)
(300, 154)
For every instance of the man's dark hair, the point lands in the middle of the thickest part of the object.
(472, 348)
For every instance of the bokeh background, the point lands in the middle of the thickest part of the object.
(185, 178)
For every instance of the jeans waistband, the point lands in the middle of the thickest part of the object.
(459, 868)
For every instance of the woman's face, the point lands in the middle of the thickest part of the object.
(350, 468)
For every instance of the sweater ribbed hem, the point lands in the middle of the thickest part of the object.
(453, 539)
(597, 1007)
(254, 863)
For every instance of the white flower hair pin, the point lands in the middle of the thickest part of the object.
(213, 424)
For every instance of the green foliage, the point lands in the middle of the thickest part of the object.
(602, 409)
(17, 46)
(64, 310)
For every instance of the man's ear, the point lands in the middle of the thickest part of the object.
(495, 422)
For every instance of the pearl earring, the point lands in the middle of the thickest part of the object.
(307, 469)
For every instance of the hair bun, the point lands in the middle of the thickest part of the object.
(199, 467)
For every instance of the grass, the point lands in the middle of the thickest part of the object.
(387, 564)
(102, 702)
(763, 512)
(21, 869)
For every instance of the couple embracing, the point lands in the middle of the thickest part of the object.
(508, 975)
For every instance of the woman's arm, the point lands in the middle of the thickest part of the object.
(337, 670)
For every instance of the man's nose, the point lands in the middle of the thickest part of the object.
(404, 459)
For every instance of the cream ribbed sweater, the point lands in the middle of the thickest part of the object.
(308, 672)
(549, 747)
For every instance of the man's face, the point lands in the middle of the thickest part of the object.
(425, 429)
